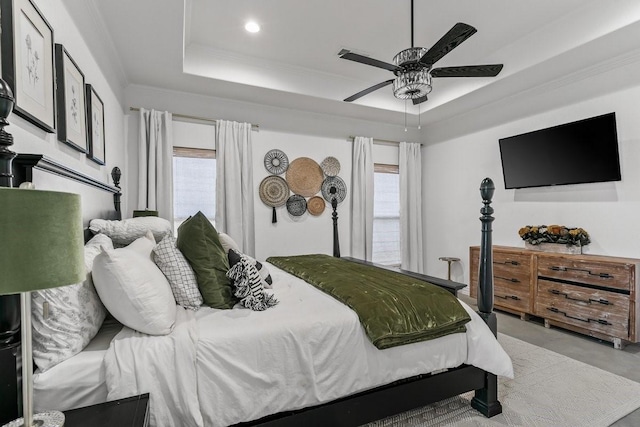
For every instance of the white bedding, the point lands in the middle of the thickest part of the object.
(221, 367)
(78, 381)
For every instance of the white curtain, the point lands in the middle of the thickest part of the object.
(234, 183)
(362, 199)
(410, 169)
(155, 162)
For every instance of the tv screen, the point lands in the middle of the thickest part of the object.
(572, 153)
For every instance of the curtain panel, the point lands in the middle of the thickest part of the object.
(411, 242)
(155, 162)
(362, 199)
(234, 183)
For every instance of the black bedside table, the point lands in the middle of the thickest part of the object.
(127, 412)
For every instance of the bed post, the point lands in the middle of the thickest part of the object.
(336, 241)
(486, 399)
(115, 175)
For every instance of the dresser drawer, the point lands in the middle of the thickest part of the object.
(593, 309)
(512, 297)
(510, 270)
(605, 274)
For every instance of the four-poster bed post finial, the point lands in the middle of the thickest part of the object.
(115, 175)
(485, 279)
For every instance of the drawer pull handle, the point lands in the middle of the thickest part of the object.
(507, 262)
(587, 320)
(601, 275)
(513, 279)
(589, 301)
(513, 297)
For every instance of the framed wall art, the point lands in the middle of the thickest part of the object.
(95, 126)
(70, 94)
(27, 62)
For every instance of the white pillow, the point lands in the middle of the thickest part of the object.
(179, 273)
(75, 314)
(134, 290)
(228, 243)
(127, 230)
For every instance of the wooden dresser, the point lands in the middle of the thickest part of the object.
(590, 294)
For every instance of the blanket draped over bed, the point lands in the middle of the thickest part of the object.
(394, 309)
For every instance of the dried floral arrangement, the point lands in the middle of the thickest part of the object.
(536, 234)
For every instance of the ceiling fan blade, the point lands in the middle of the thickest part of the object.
(368, 90)
(420, 100)
(490, 70)
(345, 54)
(456, 35)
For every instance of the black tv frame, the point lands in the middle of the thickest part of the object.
(542, 155)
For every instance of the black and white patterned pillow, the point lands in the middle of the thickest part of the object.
(248, 283)
(179, 273)
(234, 257)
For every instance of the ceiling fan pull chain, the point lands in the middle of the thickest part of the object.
(419, 125)
(405, 115)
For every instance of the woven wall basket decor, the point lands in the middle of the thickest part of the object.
(276, 162)
(330, 166)
(274, 192)
(304, 176)
(316, 205)
(296, 205)
(333, 187)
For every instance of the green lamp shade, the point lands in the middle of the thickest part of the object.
(41, 240)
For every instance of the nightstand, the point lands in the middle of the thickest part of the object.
(130, 412)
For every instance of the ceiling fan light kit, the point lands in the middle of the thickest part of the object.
(412, 84)
(413, 67)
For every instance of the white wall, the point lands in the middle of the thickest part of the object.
(455, 168)
(30, 139)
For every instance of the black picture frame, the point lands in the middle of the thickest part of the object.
(96, 147)
(28, 62)
(71, 102)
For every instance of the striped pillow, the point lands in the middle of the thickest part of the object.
(234, 257)
(249, 285)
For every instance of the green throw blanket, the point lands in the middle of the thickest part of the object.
(394, 309)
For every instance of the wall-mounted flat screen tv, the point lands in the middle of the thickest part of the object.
(573, 153)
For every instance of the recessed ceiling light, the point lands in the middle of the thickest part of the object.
(252, 27)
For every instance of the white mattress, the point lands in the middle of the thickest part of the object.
(307, 350)
(78, 381)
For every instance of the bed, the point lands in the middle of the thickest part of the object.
(265, 369)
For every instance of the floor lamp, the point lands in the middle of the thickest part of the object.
(41, 247)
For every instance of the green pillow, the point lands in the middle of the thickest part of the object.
(199, 243)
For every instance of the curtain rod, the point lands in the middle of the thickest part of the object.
(382, 141)
(204, 119)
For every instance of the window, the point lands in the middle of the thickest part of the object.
(194, 184)
(386, 215)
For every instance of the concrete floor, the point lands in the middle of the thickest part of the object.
(625, 362)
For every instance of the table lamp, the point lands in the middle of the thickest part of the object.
(41, 247)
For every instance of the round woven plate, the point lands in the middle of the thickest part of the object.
(296, 205)
(316, 205)
(276, 162)
(330, 166)
(304, 176)
(333, 187)
(274, 191)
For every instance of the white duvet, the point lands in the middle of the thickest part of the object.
(221, 367)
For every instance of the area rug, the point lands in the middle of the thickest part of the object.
(549, 389)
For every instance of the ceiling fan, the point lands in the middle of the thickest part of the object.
(413, 66)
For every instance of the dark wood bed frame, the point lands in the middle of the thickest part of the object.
(359, 408)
